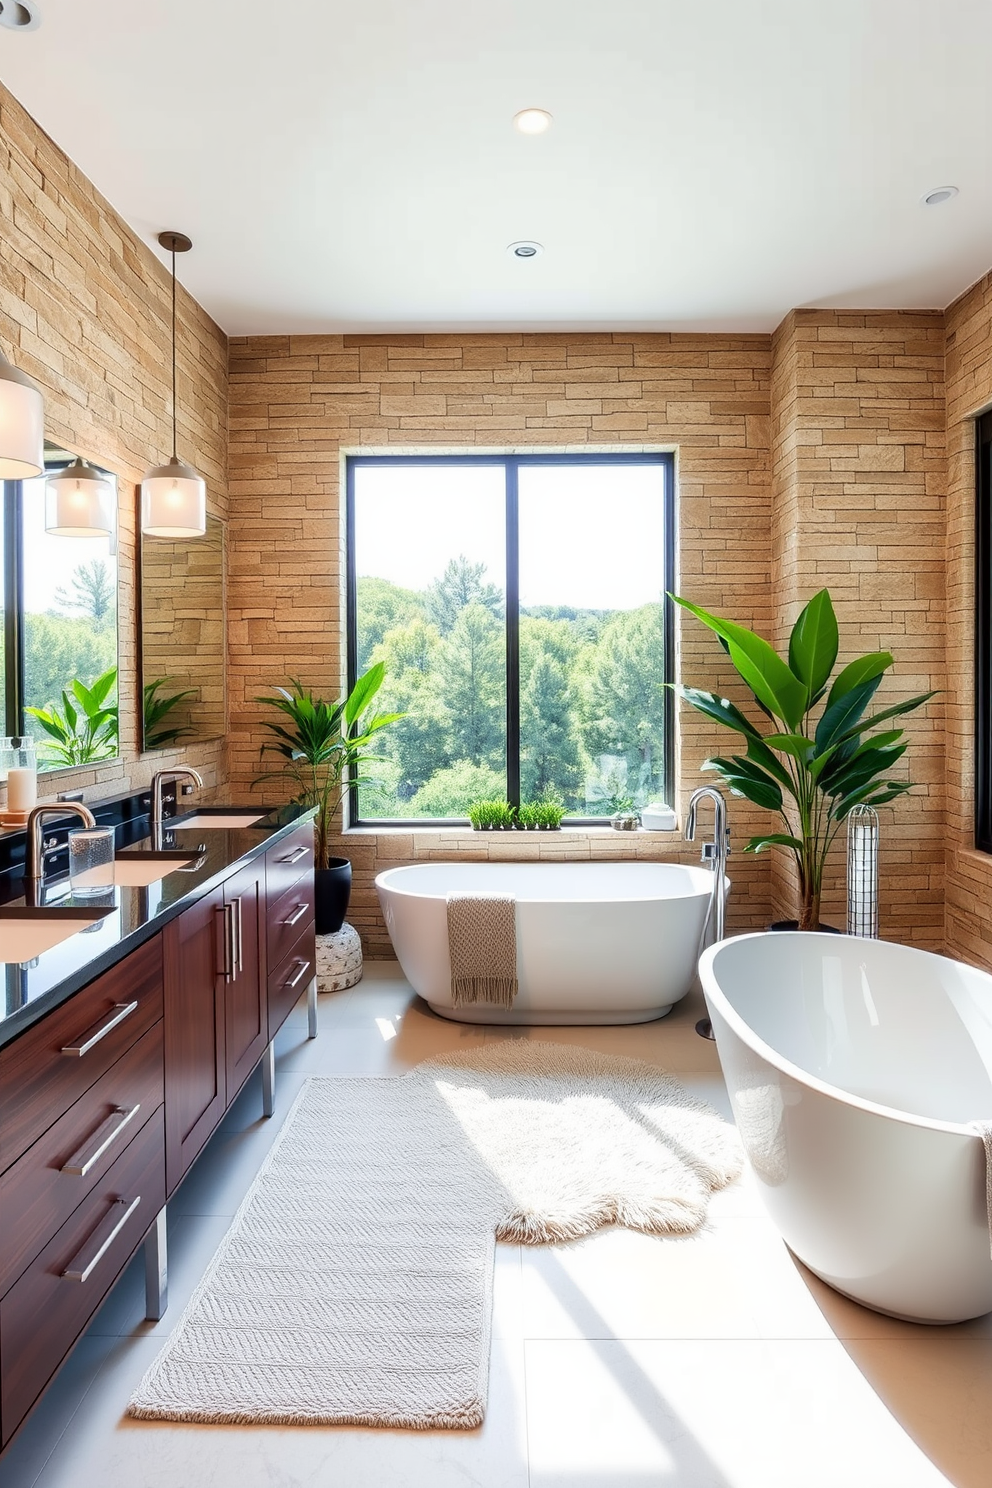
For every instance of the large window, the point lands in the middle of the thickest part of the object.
(519, 603)
(59, 601)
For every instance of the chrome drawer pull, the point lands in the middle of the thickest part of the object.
(122, 1010)
(80, 1270)
(294, 981)
(79, 1163)
(294, 857)
(297, 914)
(226, 970)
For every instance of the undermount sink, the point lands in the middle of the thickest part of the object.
(227, 819)
(27, 933)
(136, 870)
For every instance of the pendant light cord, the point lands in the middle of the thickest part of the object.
(175, 455)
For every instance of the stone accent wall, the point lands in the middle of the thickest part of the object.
(85, 311)
(859, 476)
(968, 873)
(299, 402)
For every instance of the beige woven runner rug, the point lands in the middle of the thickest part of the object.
(354, 1285)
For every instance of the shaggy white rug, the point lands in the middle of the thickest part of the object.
(355, 1283)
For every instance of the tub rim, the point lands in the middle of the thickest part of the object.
(744, 1031)
(703, 891)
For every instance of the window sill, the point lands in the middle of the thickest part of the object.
(457, 829)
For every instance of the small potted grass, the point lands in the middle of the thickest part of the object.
(549, 810)
(491, 816)
(528, 817)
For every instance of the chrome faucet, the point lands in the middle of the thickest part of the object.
(159, 779)
(715, 852)
(34, 865)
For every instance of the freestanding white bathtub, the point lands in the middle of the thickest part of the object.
(596, 942)
(854, 1069)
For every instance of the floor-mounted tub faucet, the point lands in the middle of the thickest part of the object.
(715, 853)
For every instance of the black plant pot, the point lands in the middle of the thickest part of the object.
(794, 925)
(332, 890)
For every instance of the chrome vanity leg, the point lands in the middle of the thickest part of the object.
(312, 1009)
(156, 1270)
(269, 1080)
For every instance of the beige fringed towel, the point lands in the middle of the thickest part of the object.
(984, 1130)
(482, 947)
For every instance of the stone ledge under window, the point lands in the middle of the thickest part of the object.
(457, 830)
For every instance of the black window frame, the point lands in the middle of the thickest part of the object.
(983, 632)
(664, 459)
(12, 589)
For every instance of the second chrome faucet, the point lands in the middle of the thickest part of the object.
(160, 779)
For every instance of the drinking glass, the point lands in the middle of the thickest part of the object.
(91, 860)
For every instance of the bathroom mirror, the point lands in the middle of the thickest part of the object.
(182, 638)
(60, 577)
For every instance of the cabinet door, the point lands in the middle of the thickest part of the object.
(195, 1031)
(245, 991)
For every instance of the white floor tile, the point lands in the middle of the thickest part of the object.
(104, 1449)
(741, 1414)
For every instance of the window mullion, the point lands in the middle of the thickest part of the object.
(512, 633)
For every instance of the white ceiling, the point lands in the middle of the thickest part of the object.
(351, 164)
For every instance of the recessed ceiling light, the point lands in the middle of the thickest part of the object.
(532, 121)
(939, 194)
(524, 249)
(19, 15)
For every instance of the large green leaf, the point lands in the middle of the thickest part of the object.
(840, 717)
(797, 745)
(748, 780)
(363, 692)
(867, 765)
(895, 711)
(721, 710)
(761, 667)
(858, 672)
(874, 794)
(773, 839)
(760, 754)
(814, 642)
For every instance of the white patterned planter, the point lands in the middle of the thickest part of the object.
(339, 960)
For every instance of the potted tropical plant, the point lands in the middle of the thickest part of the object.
(323, 747)
(159, 730)
(85, 729)
(822, 753)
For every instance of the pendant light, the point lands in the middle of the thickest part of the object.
(22, 424)
(174, 496)
(79, 502)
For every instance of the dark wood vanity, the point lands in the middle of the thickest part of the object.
(107, 1098)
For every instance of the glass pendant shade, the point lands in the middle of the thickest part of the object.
(79, 502)
(173, 501)
(22, 424)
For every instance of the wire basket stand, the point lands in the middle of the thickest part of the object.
(862, 872)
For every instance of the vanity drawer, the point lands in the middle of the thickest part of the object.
(44, 1313)
(289, 861)
(289, 917)
(287, 982)
(49, 1067)
(40, 1191)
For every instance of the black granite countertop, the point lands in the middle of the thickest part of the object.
(130, 916)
